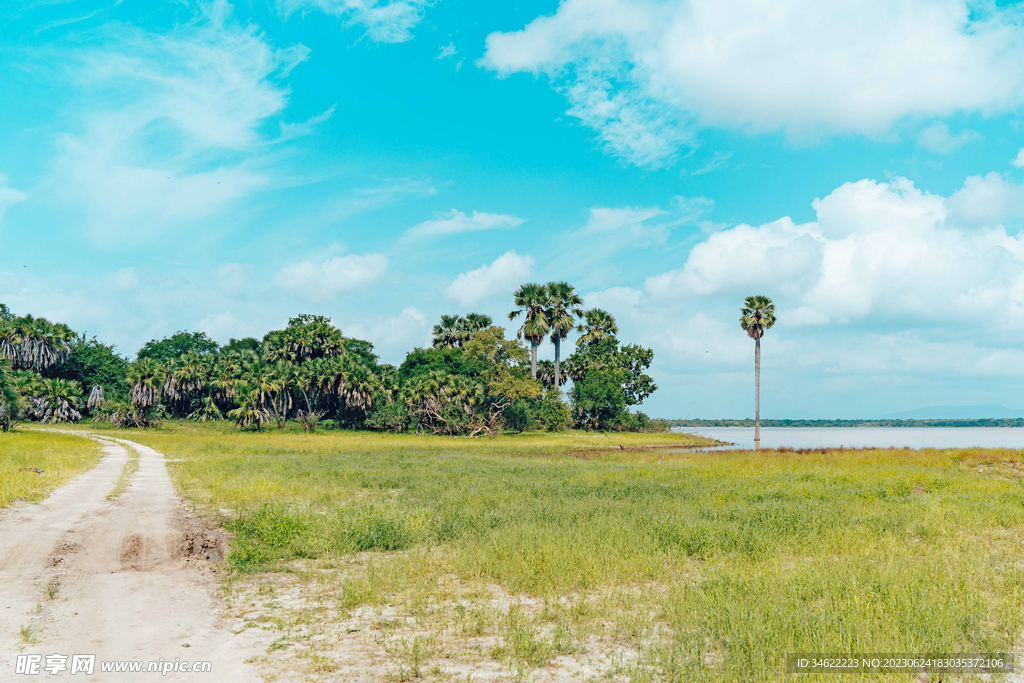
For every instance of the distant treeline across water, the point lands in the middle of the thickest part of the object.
(986, 422)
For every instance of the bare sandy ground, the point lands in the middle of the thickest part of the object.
(129, 579)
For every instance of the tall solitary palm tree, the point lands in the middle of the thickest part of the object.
(531, 301)
(756, 316)
(563, 308)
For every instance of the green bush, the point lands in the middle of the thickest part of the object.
(389, 416)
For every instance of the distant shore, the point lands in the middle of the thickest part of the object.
(986, 422)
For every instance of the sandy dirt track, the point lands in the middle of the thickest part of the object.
(131, 578)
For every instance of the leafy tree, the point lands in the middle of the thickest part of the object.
(243, 344)
(177, 345)
(5, 314)
(92, 363)
(629, 361)
(425, 361)
(756, 316)
(595, 367)
(598, 399)
(596, 325)
(563, 307)
(467, 390)
(531, 301)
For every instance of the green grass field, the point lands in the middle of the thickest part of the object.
(693, 566)
(60, 457)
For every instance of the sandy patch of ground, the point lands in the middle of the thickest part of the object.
(124, 579)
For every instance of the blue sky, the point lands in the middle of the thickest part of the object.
(193, 165)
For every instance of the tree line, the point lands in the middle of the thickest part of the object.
(471, 380)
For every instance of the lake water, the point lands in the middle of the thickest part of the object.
(866, 437)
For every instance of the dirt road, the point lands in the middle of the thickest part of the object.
(123, 579)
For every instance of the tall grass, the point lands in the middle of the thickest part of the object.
(742, 556)
(59, 456)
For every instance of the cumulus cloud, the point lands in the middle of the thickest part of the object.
(884, 251)
(226, 325)
(614, 298)
(180, 134)
(938, 138)
(395, 335)
(646, 75)
(502, 276)
(389, 21)
(455, 221)
(321, 280)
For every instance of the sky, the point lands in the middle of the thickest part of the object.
(222, 167)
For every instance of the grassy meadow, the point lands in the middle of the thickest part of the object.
(528, 552)
(60, 456)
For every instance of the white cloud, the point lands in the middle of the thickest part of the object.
(502, 276)
(390, 21)
(614, 298)
(1019, 160)
(938, 138)
(291, 131)
(321, 280)
(171, 129)
(878, 251)
(448, 50)
(224, 326)
(9, 196)
(455, 221)
(986, 200)
(645, 75)
(395, 335)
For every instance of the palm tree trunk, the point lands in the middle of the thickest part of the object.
(533, 358)
(558, 368)
(757, 394)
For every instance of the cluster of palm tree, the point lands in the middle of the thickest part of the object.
(302, 371)
(34, 343)
(455, 330)
(44, 399)
(553, 311)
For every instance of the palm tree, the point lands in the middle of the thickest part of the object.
(531, 301)
(473, 323)
(597, 325)
(10, 402)
(756, 316)
(250, 413)
(448, 333)
(563, 307)
(62, 397)
(145, 378)
(96, 398)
